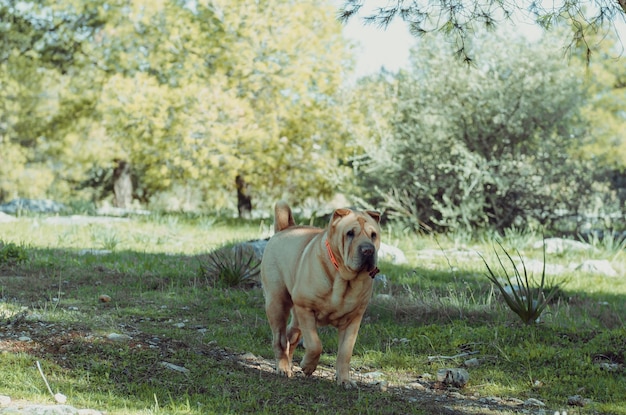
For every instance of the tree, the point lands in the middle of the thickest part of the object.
(487, 145)
(463, 18)
(189, 94)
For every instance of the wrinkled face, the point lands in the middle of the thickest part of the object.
(355, 237)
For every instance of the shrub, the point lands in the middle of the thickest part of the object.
(487, 145)
(11, 253)
(232, 266)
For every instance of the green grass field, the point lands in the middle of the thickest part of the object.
(195, 346)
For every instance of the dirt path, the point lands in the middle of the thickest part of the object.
(40, 340)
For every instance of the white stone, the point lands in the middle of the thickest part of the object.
(391, 254)
(597, 266)
(560, 245)
(454, 377)
(5, 400)
(118, 337)
(5, 218)
(174, 367)
(533, 402)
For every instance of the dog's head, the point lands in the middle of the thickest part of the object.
(354, 238)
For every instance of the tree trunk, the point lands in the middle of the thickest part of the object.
(244, 201)
(122, 185)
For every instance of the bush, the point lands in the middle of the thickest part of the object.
(488, 145)
(11, 253)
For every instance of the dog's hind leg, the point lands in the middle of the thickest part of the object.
(293, 335)
(277, 310)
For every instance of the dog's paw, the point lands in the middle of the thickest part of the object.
(284, 369)
(347, 383)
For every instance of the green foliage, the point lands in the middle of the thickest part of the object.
(231, 266)
(182, 91)
(521, 293)
(11, 253)
(485, 145)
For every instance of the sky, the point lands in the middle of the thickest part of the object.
(389, 47)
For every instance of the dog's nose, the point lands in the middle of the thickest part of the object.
(367, 249)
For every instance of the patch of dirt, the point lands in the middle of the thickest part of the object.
(56, 341)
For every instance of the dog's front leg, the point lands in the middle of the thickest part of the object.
(347, 339)
(312, 343)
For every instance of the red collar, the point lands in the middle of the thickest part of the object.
(331, 255)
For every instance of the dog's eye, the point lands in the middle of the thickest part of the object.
(350, 233)
(373, 236)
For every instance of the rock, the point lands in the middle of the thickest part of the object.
(4, 218)
(391, 254)
(576, 400)
(560, 245)
(416, 386)
(609, 366)
(24, 339)
(248, 356)
(94, 252)
(5, 400)
(118, 337)
(258, 246)
(533, 402)
(32, 205)
(381, 279)
(473, 362)
(179, 325)
(597, 266)
(453, 377)
(382, 385)
(60, 398)
(40, 410)
(174, 367)
(383, 297)
(374, 375)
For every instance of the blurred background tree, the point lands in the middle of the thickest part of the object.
(167, 103)
(189, 94)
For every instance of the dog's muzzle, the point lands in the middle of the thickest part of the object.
(367, 256)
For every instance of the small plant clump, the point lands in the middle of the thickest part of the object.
(10, 253)
(232, 266)
(521, 293)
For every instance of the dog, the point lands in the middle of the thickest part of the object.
(323, 277)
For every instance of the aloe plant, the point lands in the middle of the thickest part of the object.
(520, 292)
(232, 266)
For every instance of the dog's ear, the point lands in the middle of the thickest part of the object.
(374, 215)
(341, 213)
(338, 214)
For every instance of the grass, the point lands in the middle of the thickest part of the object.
(439, 304)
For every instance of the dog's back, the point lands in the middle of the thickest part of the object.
(283, 218)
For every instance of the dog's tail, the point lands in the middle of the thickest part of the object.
(283, 218)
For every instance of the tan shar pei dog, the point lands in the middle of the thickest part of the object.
(323, 276)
